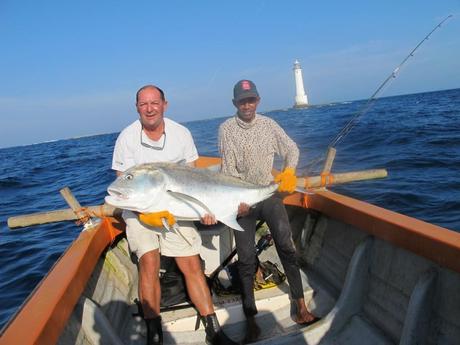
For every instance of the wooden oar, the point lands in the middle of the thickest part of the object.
(329, 179)
(60, 215)
(110, 211)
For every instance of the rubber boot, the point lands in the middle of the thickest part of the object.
(214, 334)
(154, 331)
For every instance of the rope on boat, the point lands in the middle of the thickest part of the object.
(370, 102)
(83, 214)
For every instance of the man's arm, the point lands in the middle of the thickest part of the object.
(287, 148)
(123, 155)
(190, 153)
(227, 153)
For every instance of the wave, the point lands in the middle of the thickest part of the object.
(11, 182)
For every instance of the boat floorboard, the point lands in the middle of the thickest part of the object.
(274, 317)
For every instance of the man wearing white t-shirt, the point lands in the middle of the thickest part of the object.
(153, 138)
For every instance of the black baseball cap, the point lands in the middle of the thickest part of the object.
(244, 89)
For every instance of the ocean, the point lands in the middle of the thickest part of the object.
(415, 137)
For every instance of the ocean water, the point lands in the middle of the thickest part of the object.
(415, 137)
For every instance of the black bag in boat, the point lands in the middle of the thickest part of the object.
(268, 275)
(172, 283)
(227, 282)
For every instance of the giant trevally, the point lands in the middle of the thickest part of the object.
(184, 191)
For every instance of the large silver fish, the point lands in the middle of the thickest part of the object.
(184, 191)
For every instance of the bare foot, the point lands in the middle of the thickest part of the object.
(303, 316)
(252, 330)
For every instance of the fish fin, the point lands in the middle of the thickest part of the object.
(176, 229)
(165, 224)
(191, 199)
(231, 222)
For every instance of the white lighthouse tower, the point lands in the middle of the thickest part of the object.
(301, 100)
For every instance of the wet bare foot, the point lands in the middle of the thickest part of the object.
(252, 330)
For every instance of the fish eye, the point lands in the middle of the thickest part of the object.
(129, 177)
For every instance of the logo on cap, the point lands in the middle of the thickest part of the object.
(245, 85)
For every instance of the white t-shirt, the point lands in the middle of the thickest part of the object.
(133, 147)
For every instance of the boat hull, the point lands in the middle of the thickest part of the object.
(374, 276)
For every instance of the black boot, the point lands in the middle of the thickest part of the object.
(252, 330)
(154, 331)
(214, 334)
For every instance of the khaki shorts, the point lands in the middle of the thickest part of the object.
(143, 239)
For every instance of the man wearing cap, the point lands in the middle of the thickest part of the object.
(248, 143)
(154, 138)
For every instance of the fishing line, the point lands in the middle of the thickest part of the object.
(371, 100)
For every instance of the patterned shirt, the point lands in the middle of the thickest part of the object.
(248, 149)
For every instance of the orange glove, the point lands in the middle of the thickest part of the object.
(287, 180)
(155, 219)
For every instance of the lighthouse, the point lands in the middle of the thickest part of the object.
(301, 100)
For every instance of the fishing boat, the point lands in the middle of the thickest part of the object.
(373, 276)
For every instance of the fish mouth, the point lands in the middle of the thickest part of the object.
(116, 201)
(124, 199)
(118, 194)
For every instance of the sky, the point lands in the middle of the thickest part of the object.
(72, 68)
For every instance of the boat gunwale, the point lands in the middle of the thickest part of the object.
(433, 242)
(46, 311)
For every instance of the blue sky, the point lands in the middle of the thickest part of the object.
(71, 68)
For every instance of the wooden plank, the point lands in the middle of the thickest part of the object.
(61, 215)
(339, 178)
(329, 160)
(71, 201)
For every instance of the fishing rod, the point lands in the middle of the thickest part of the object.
(371, 100)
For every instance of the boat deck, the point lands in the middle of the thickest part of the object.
(275, 313)
(99, 319)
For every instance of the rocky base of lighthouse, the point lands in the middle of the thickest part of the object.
(300, 106)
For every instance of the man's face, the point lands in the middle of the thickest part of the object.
(247, 108)
(151, 108)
